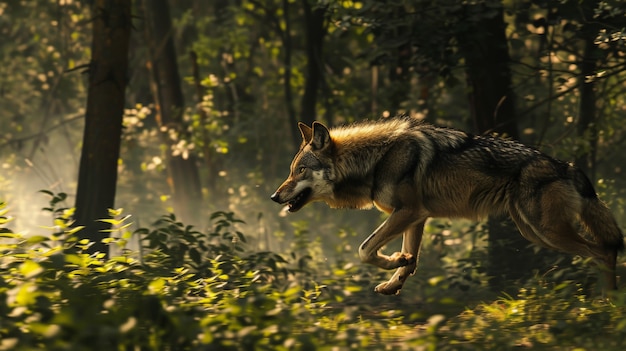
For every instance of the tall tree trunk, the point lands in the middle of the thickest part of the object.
(183, 172)
(399, 86)
(587, 120)
(100, 152)
(485, 50)
(484, 47)
(286, 40)
(315, 31)
(587, 128)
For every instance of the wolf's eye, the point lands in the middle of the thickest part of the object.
(301, 169)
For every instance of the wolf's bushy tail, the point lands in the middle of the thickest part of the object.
(600, 222)
(595, 214)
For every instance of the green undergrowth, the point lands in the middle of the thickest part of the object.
(192, 290)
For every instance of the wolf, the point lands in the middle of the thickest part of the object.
(413, 171)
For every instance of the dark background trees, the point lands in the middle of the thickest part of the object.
(169, 102)
(550, 74)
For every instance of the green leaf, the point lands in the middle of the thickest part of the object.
(74, 259)
(115, 212)
(36, 239)
(53, 251)
(157, 285)
(30, 269)
(26, 294)
(108, 240)
(5, 220)
(111, 221)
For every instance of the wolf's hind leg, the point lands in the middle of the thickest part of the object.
(412, 239)
(560, 209)
(567, 239)
(555, 228)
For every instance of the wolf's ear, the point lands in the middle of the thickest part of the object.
(306, 132)
(321, 136)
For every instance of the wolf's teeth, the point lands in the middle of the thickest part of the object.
(284, 211)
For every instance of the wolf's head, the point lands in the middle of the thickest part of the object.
(311, 170)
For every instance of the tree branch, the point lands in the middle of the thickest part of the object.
(12, 141)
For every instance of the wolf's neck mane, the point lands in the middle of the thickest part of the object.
(357, 153)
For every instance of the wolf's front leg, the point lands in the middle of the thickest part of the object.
(412, 239)
(398, 222)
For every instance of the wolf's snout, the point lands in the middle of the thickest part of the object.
(275, 197)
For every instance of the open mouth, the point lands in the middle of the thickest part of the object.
(299, 201)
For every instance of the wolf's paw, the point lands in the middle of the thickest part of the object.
(391, 287)
(402, 259)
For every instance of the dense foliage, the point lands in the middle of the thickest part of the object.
(191, 290)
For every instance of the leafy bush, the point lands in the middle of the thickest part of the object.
(543, 316)
(192, 290)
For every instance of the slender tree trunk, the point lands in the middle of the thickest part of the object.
(100, 152)
(589, 116)
(315, 31)
(183, 172)
(398, 90)
(374, 91)
(587, 121)
(289, 103)
(492, 104)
